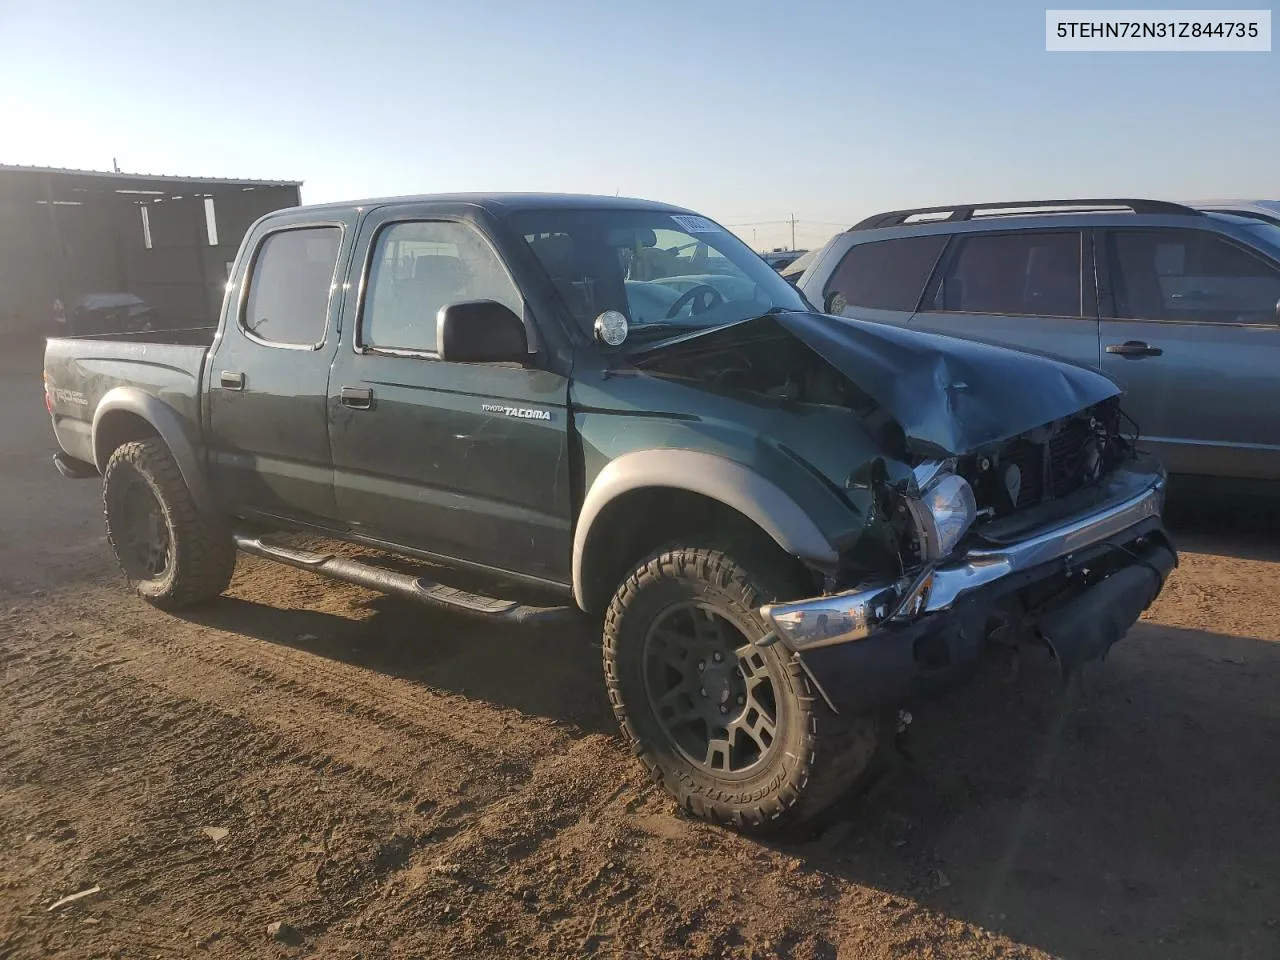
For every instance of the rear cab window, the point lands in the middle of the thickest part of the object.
(287, 303)
(884, 274)
(1029, 273)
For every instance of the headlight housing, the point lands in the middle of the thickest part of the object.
(943, 513)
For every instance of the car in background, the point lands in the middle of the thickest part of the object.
(1180, 306)
(103, 313)
(780, 259)
(1268, 211)
(796, 268)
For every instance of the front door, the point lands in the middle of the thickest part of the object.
(1022, 289)
(269, 375)
(1190, 333)
(464, 461)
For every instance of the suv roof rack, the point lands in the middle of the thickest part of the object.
(966, 211)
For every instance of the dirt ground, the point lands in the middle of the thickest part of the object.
(388, 781)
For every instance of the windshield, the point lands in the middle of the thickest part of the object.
(659, 269)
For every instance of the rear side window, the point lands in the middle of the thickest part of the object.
(1028, 274)
(1190, 275)
(288, 300)
(886, 274)
(421, 266)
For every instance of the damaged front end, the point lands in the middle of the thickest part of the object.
(1073, 573)
(1009, 504)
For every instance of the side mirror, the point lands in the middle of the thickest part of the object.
(1278, 311)
(480, 331)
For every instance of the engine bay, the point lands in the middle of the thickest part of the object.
(779, 367)
(1046, 463)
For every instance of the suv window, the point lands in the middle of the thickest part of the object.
(1190, 275)
(1027, 274)
(421, 266)
(886, 274)
(288, 300)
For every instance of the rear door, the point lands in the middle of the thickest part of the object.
(466, 461)
(1190, 332)
(268, 373)
(1023, 289)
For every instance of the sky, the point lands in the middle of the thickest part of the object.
(747, 111)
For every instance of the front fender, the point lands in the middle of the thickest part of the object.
(717, 478)
(166, 422)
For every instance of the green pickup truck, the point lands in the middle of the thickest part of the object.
(790, 525)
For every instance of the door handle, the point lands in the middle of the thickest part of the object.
(357, 398)
(231, 380)
(1134, 349)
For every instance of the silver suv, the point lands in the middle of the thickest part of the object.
(1180, 306)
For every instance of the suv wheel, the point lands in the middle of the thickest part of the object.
(172, 554)
(733, 730)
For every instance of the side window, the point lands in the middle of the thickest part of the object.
(421, 266)
(886, 274)
(1189, 275)
(288, 300)
(1028, 274)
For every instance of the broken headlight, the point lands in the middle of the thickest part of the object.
(943, 512)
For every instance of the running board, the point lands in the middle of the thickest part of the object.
(404, 585)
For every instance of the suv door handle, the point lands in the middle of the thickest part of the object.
(231, 380)
(357, 398)
(1134, 349)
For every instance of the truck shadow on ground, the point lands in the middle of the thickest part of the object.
(1132, 816)
(551, 671)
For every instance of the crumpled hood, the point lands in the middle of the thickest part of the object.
(950, 396)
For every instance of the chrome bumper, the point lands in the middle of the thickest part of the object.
(844, 617)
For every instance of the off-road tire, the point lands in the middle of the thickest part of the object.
(201, 553)
(823, 755)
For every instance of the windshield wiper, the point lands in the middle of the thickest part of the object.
(673, 327)
(667, 326)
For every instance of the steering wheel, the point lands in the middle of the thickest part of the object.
(706, 296)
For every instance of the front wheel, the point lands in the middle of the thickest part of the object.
(734, 731)
(173, 554)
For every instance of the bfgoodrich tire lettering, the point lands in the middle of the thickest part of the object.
(190, 555)
(813, 756)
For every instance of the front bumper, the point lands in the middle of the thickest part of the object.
(887, 643)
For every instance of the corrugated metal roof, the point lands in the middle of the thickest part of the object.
(171, 178)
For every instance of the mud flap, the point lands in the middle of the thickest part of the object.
(1086, 628)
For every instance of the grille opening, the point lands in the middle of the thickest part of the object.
(1047, 464)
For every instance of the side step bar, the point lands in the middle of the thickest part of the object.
(405, 585)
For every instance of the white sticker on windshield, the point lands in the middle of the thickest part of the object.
(694, 224)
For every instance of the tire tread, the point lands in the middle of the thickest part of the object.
(204, 554)
(834, 750)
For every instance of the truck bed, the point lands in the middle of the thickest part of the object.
(202, 336)
(81, 371)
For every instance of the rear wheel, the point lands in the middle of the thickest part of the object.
(173, 554)
(733, 730)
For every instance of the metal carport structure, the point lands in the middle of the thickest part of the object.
(165, 239)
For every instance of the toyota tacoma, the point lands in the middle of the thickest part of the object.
(790, 525)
